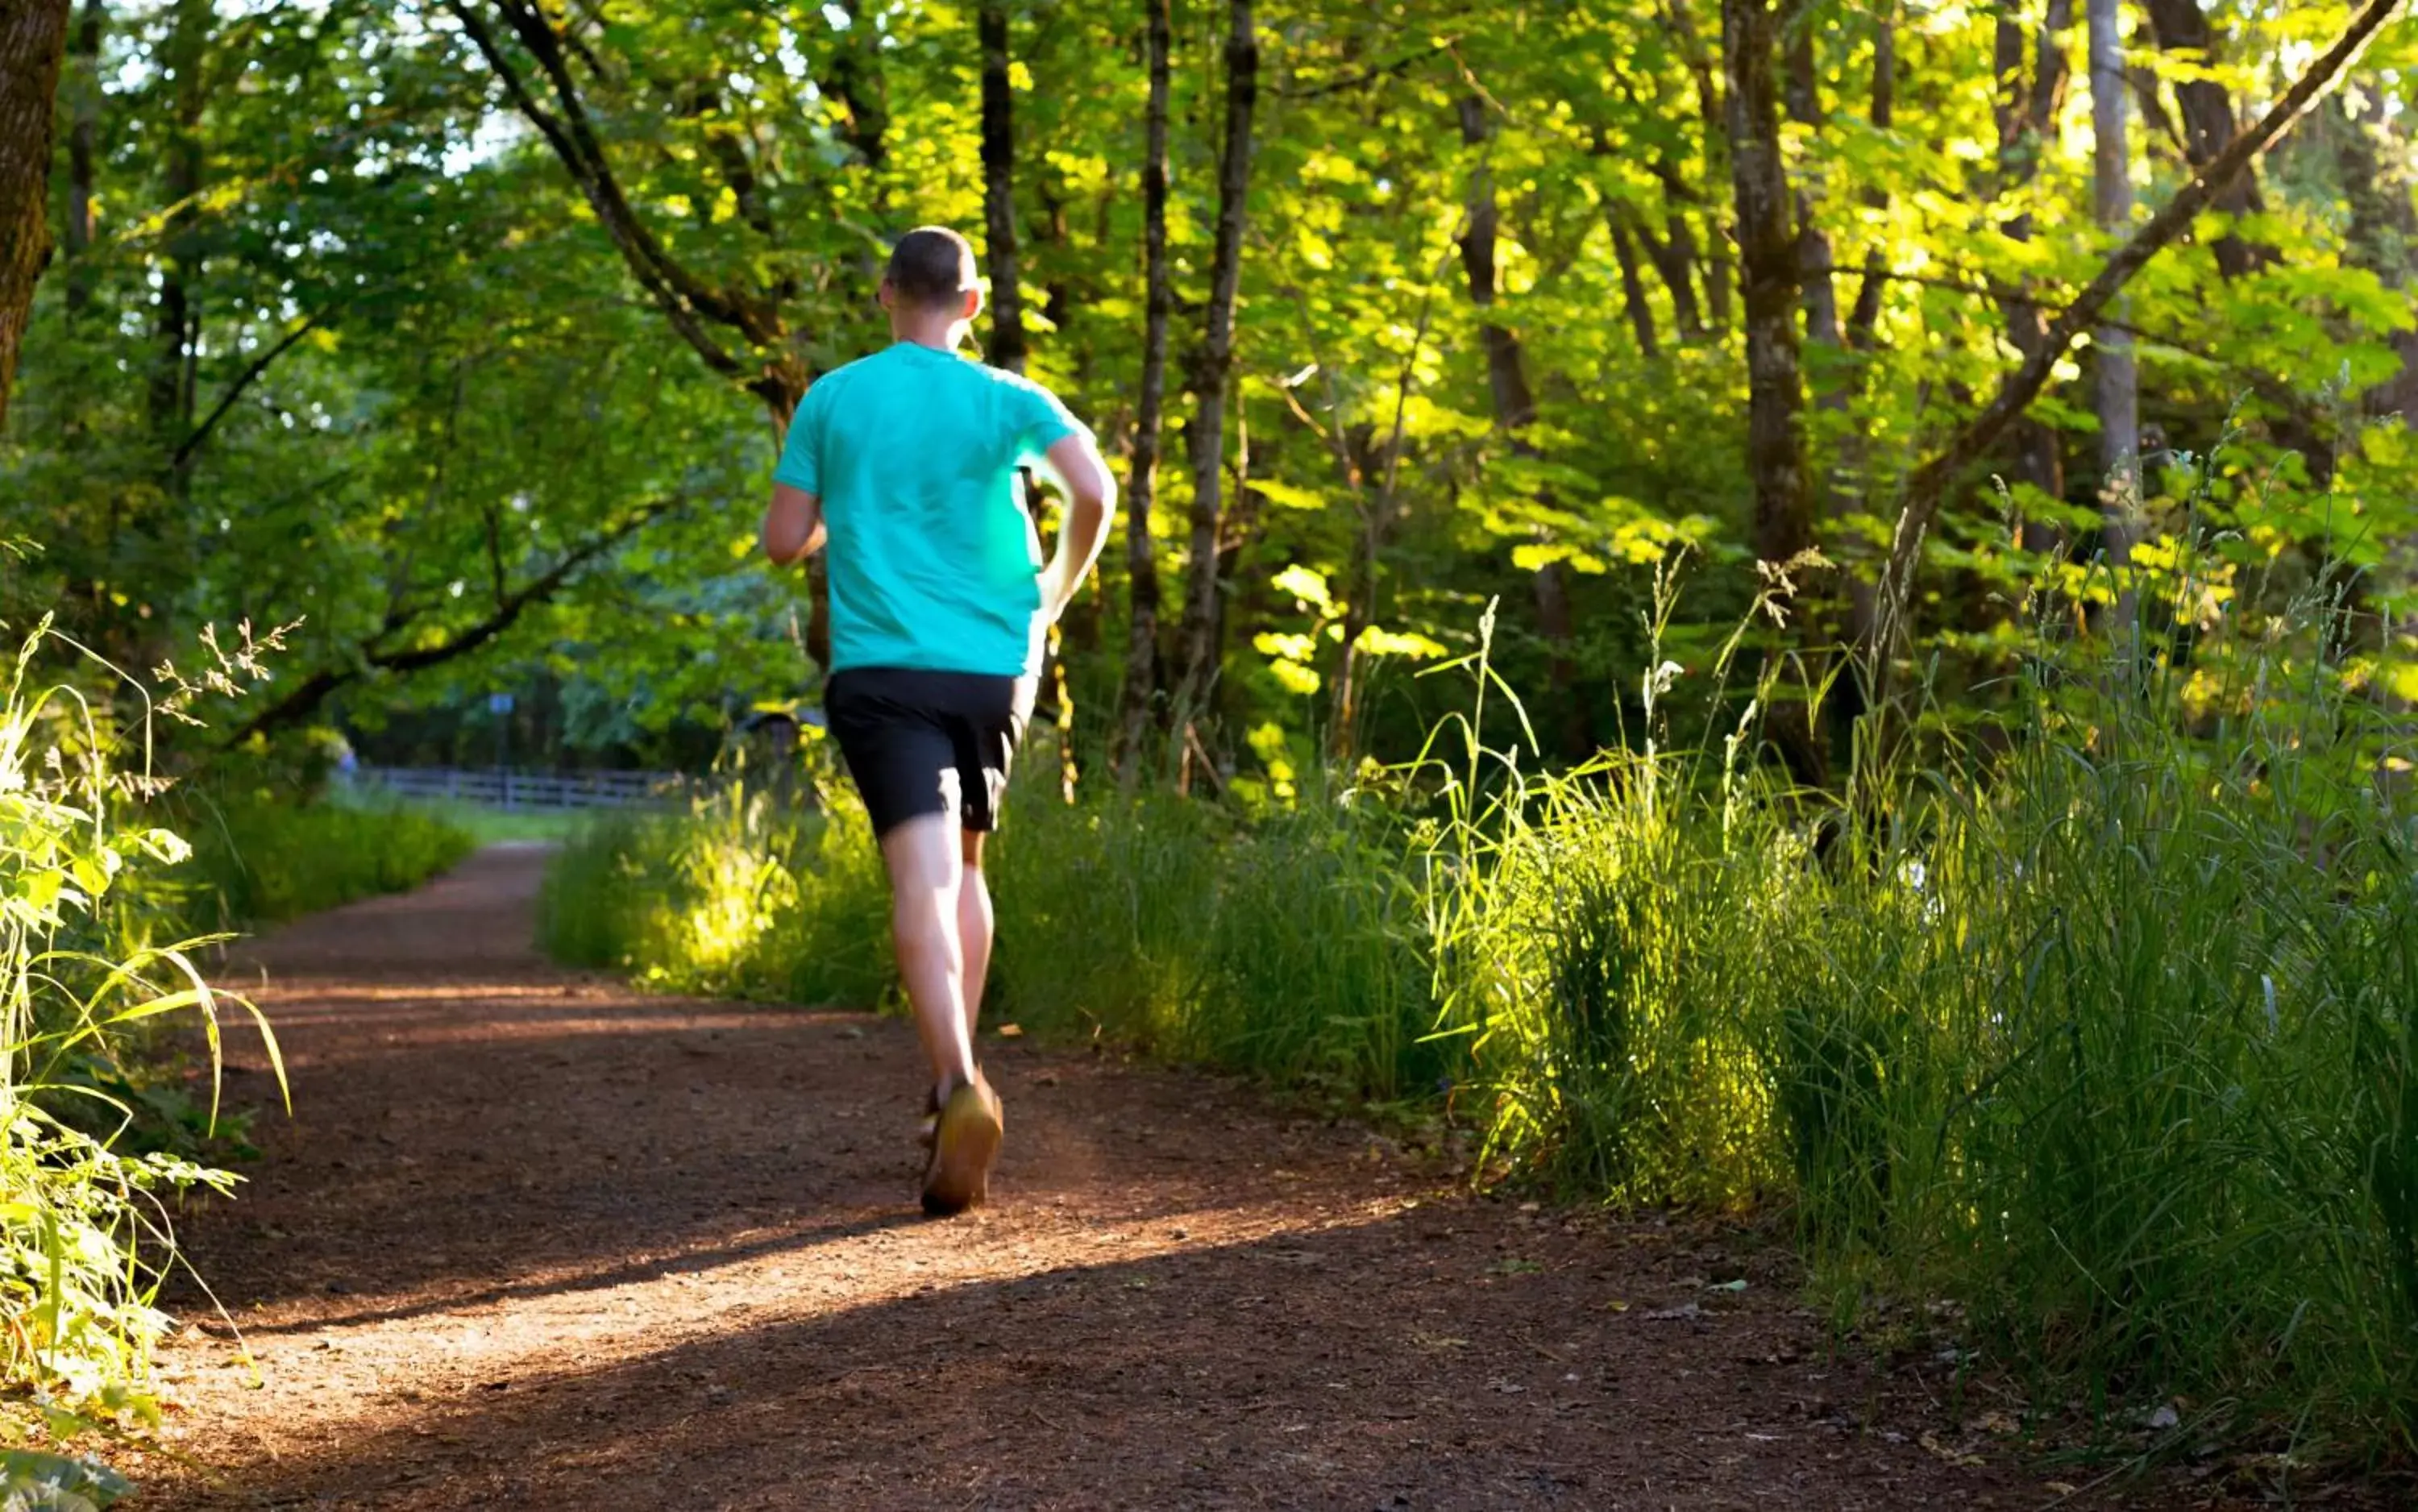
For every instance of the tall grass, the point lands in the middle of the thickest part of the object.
(1288, 948)
(259, 857)
(2103, 1032)
(742, 894)
(83, 1232)
(2109, 1038)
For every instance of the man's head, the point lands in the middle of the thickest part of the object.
(932, 276)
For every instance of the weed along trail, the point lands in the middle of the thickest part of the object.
(534, 1239)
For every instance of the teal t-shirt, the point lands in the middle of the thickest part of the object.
(914, 453)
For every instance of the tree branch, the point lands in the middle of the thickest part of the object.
(1368, 76)
(306, 695)
(1927, 485)
(1982, 287)
(683, 299)
(249, 376)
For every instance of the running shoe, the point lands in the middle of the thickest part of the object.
(963, 1147)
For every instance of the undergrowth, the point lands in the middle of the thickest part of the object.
(86, 1238)
(262, 857)
(2099, 1032)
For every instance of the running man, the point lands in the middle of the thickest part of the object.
(906, 464)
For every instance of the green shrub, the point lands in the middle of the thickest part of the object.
(262, 858)
(2109, 1039)
(740, 894)
(1287, 948)
(83, 1236)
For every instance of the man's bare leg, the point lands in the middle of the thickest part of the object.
(974, 927)
(926, 876)
(927, 864)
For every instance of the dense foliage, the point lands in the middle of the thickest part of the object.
(83, 1234)
(462, 333)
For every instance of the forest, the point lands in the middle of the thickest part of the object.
(1771, 607)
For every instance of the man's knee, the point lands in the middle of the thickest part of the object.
(922, 922)
(970, 844)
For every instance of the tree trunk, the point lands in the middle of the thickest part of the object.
(1674, 256)
(1506, 376)
(1632, 285)
(1515, 410)
(2027, 110)
(171, 391)
(2119, 399)
(2179, 26)
(1007, 345)
(1212, 366)
(82, 86)
(1842, 484)
(1720, 275)
(1141, 675)
(1867, 312)
(1704, 70)
(1848, 701)
(33, 44)
(1817, 291)
(1768, 269)
(2207, 128)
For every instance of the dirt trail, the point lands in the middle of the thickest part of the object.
(534, 1239)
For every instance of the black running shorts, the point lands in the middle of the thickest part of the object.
(929, 742)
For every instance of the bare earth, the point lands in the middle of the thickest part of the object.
(534, 1239)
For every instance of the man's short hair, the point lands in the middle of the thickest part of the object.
(932, 267)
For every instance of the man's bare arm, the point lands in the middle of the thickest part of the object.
(1074, 465)
(793, 526)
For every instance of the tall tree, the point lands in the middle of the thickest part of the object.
(2031, 74)
(2206, 105)
(756, 300)
(83, 87)
(1927, 485)
(1768, 266)
(700, 308)
(2119, 395)
(1213, 361)
(33, 46)
(1515, 411)
(175, 319)
(1141, 681)
(1632, 284)
(1819, 294)
(1007, 342)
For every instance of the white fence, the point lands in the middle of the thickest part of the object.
(524, 789)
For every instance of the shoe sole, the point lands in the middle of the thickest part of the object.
(963, 1148)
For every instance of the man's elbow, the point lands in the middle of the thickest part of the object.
(1095, 487)
(784, 549)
